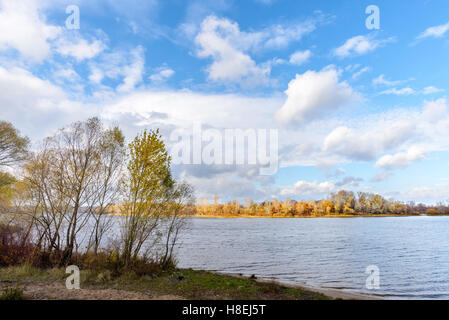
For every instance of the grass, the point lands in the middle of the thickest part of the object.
(184, 283)
(11, 294)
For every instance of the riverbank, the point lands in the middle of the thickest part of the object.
(329, 293)
(181, 284)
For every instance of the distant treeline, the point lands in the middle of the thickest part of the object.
(343, 203)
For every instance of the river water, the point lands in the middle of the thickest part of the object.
(410, 253)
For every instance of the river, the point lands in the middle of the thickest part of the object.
(410, 253)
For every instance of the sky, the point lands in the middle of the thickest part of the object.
(358, 105)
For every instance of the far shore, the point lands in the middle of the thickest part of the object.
(299, 217)
(307, 217)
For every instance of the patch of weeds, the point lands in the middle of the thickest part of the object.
(11, 294)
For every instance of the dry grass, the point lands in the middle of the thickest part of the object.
(177, 284)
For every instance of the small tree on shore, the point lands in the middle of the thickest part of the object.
(147, 190)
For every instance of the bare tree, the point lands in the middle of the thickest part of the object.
(107, 187)
(180, 205)
(72, 178)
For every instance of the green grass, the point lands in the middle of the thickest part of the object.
(188, 284)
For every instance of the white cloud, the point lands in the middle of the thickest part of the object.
(37, 106)
(162, 74)
(19, 84)
(360, 45)
(304, 188)
(382, 176)
(349, 143)
(431, 90)
(68, 74)
(434, 110)
(367, 138)
(229, 186)
(23, 28)
(221, 40)
(357, 74)
(96, 75)
(371, 136)
(133, 73)
(80, 48)
(127, 66)
(401, 159)
(216, 110)
(435, 32)
(399, 92)
(426, 194)
(311, 94)
(380, 80)
(300, 57)
(279, 36)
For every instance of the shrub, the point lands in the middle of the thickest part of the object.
(15, 246)
(12, 294)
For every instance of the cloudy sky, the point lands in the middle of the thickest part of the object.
(355, 108)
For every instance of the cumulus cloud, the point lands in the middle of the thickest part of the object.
(360, 45)
(398, 137)
(435, 32)
(37, 106)
(312, 94)
(221, 40)
(364, 143)
(23, 28)
(401, 159)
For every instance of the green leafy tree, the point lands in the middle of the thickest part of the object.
(147, 190)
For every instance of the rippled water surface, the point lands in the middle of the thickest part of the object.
(411, 253)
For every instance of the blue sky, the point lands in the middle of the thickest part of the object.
(357, 109)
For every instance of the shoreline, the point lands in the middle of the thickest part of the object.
(331, 293)
(179, 284)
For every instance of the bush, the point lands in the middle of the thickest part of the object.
(15, 247)
(12, 294)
